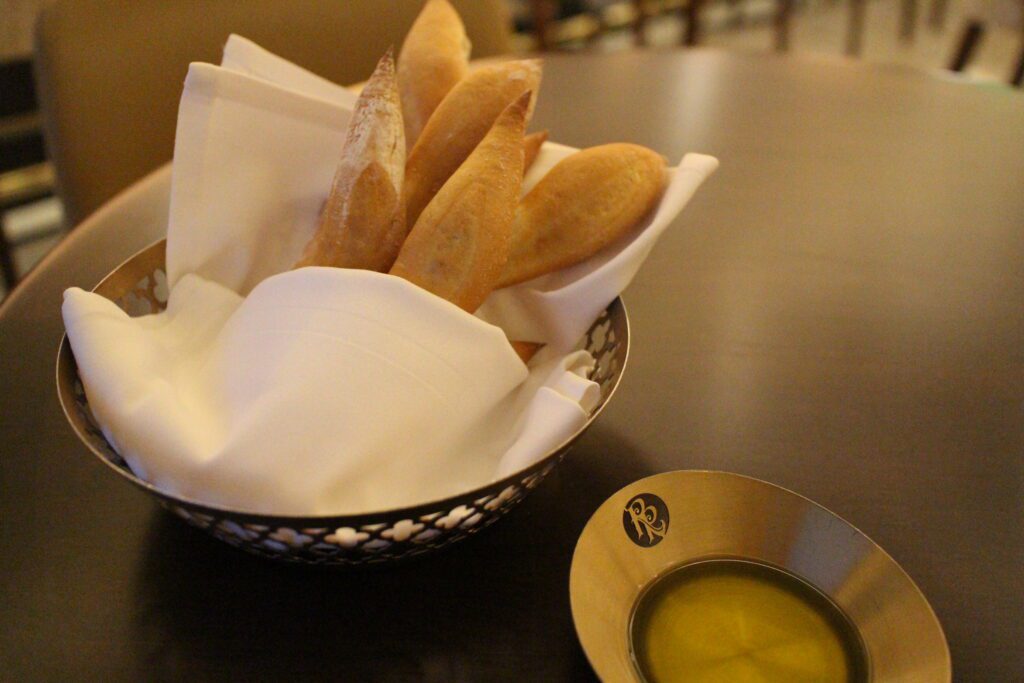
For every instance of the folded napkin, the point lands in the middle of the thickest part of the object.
(321, 390)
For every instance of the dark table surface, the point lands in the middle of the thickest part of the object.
(840, 311)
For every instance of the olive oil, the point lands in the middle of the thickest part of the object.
(736, 620)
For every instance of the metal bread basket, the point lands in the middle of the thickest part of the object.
(139, 287)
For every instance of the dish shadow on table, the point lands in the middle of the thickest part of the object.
(493, 607)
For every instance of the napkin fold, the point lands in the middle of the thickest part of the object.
(324, 391)
(318, 390)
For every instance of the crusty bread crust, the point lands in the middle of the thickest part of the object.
(458, 247)
(363, 222)
(531, 148)
(458, 125)
(584, 203)
(434, 57)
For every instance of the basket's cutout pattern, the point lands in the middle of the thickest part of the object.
(373, 543)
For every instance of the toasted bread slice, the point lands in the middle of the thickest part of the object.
(458, 125)
(434, 57)
(583, 204)
(459, 245)
(363, 222)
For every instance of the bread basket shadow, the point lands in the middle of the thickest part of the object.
(139, 287)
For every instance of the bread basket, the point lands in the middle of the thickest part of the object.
(139, 287)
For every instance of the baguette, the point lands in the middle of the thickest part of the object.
(531, 146)
(362, 224)
(586, 202)
(458, 247)
(525, 350)
(434, 57)
(458, 125)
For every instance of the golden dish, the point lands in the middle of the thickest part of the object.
(717, 576)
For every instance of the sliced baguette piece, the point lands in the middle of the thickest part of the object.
(434, 57)
(531, 148)
(586, 202)
(363, 222)
(525, 350)
(458, 247)
(458, 125)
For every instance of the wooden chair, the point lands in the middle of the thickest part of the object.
(907, 23)
(552, 31)
(783, 14)
(556, 29)
(908, 20)
(25, 174)
(937, 14)
(110, 72)
(688, 10)
(971, 36)
(855, 28)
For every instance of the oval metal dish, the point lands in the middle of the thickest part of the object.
(138, 286)
(674, 519)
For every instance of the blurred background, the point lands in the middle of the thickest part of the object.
(980, 40)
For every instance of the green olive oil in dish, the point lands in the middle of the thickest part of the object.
(736, 621)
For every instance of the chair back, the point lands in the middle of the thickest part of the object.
(110, 72)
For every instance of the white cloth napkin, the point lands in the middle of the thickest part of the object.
(319, 390)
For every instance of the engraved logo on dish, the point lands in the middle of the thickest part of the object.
(645, 519)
